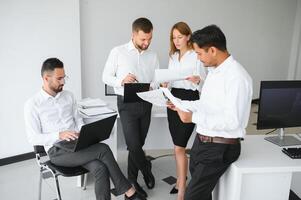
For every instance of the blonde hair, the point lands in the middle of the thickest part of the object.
(184, 29)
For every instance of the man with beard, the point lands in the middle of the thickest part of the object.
(129, 63)
(221, 114)
(51, 116)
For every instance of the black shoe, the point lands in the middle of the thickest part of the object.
(174, 190)
(148, 176)
(138, 188)
(135, 196)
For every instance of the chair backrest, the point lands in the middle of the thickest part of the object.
(39, 149)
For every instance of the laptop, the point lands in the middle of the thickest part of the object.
(131, 89)
(90, 134)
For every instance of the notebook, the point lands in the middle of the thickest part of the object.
(89, 134)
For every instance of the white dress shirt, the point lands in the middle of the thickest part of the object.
(224, 106)
(127, 59)
(46, 116)
(188, 60)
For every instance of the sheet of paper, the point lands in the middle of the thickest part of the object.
(155, 97)
(174, 100)
(90, 112)
(167, 75)
(91, 103)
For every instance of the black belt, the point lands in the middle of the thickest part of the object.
(208, 139)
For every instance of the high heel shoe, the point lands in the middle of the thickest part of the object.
(174, 190)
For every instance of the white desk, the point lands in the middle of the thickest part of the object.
(262, 172)
(112, 141)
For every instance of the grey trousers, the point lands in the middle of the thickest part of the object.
(99, 160)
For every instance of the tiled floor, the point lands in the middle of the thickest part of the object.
(20, 180)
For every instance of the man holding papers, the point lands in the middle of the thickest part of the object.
(221, 114)
(131, 63)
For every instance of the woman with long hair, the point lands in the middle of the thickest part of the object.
(181, 55)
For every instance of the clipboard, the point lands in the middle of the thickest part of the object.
(131, 89)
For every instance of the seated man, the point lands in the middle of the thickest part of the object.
(51, 116)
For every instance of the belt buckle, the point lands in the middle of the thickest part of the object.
(207, 139)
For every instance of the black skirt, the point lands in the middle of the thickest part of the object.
(181, 132)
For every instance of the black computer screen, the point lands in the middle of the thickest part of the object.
(279, 104)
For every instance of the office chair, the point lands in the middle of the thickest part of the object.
(48, 169)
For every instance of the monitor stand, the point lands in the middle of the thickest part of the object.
(282, 140)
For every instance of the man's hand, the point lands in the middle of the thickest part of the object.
(171, 106)
(194, 79)
(68, 135)
(130, 78)
(185, 117)
(165, 84)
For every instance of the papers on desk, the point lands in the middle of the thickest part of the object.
(91, 108)
(92, 112)
(160, 97)
(91, 103)
(167, 75)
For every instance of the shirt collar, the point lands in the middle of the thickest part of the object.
(47, 96)
(223, 65)
(131, 46)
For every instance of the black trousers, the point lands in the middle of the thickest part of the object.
(135, 119)
(208, 162)
(99, 160)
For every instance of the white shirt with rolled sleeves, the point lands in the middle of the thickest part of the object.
(46, 116)
(224, 106)
(188, 60)
(127, 59)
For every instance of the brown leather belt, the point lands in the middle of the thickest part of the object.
(208, 139)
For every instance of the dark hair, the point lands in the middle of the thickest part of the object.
(50, 64)
(142, 24)
(210, 36)
(184, 29)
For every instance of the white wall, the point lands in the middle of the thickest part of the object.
(32, 31)
(259, 32)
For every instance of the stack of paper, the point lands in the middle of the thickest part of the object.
(90, 108)
(91, 103)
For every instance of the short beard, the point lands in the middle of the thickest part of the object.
(57, 90)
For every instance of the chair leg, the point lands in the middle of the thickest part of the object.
(57, 188)
(85, 181)
(40, 185)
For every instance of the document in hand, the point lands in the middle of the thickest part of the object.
(131, 89)
(167, 75)
(156, 97)
(176, 101)
(160, 96)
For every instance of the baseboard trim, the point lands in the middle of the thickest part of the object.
(17, 158)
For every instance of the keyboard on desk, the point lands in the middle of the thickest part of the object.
(293, 152)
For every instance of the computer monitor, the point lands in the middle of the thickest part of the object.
(280, 107)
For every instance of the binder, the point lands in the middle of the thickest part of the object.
(131, 89)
